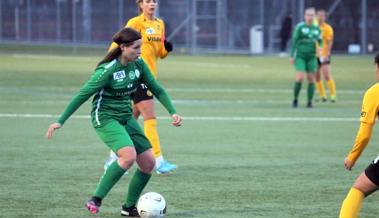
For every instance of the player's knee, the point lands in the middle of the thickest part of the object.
(126, 162)
(148, 165)
(127, 157)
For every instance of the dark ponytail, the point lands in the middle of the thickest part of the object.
(125, 36)
(377, 59)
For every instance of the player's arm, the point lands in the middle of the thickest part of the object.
(319, 43)
(148, 79)
(94, 84)
(295, 38)
(368, 117)
(330, 39)
(97, 81)
(167, 45)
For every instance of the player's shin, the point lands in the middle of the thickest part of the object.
(310, 91)
(109, 179)
(296, 90)
(136, 186)
(352, 204)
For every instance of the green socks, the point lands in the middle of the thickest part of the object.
(311, 91)
(296, 90)
(109, 179)
(137, 184)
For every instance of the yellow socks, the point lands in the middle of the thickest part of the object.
(150, 128)
(320, 89)
(352, 204)
(332, 88)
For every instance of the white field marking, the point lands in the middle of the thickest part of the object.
(224, 102)
(181, 102)
(319, 119)
(218, 90)
(212, 65)
(185, 90)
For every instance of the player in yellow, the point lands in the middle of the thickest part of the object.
(324, 59)
(368, 181)
(154, 46)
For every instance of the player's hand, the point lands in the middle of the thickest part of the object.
(292, 61)
(51, 130)
(176, 120)
(348, 164)
(168, 46)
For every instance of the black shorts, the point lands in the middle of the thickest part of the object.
(372, 171)
(324, 62)
(142, 94)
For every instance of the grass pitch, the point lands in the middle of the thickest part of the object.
(242, 151)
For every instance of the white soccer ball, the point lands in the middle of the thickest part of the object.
(151, 205)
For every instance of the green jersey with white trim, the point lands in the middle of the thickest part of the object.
(305, 38)
(112, 84)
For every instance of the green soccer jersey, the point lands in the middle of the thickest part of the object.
(304, 40)
(112, 84)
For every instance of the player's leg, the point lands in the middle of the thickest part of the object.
(144, 103)
(365, 184)
(329, 80)
(311, 68)
(299, 78)
(146, 164)
(311, 88)
(319, 82)
(114, 135)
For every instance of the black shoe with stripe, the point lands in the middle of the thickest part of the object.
(129, 211)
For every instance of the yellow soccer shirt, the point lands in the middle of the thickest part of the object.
(327, 37)
(369, 113)
(153, 35)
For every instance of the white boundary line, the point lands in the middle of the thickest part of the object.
(185, 90)
(318, 119)
(180, 101)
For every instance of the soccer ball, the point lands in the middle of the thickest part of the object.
(151, 205)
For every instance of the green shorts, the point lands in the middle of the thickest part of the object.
(117, 135)
(306, 64)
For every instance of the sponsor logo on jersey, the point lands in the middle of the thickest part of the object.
(305, 30)
(137, 73)
(363, 114)
(150, 31)
(119, 75)
(132, 75)
(154, 39)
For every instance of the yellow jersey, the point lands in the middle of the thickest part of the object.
(327, 35)
(369, 114)
(153, 36)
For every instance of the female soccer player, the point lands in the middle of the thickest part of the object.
(368, 181)
(116, 77)
(303, 54)
(154, 46)
(324, 60)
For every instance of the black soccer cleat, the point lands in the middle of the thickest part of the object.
(294, 103)
(309, 104)
(129, 211)
(93, 205)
